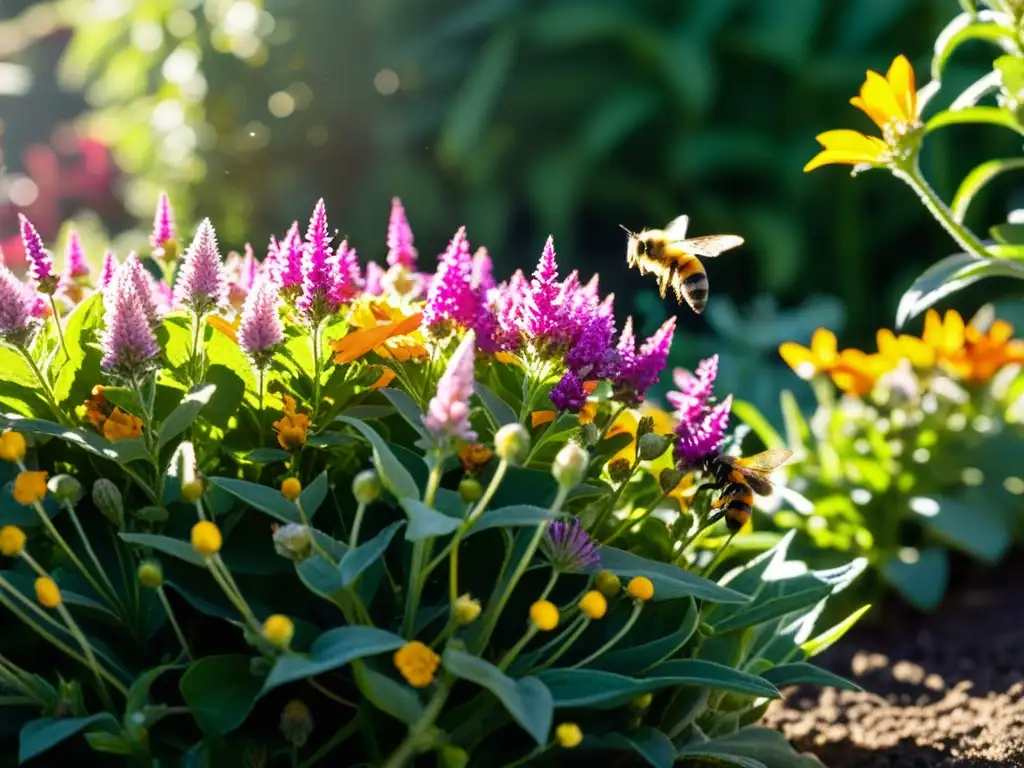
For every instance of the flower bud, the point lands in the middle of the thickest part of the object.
(278, 630)
(466, 610)
(608, 584)
(640, 588)
(12, 541)
(470, 490)
(669, 479)
(296, 723)
(291, 488)
(65, 488)
(47, 592)
(619, 470)
(568, 735)
(151, 574)
(590, 435)
(644, 427)
(107, 499)
(512, 443)
(12, 446)
(544, 615)
(192, 491)
(570, 465)
(206, 538)
(366, 486)
(652, 446)
(450, 756)
(293, 541)
(642, 702)
(594, 605)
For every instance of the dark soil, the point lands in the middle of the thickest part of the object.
(939, 691)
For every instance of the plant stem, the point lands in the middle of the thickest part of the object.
(453, 547)
(48, 395)
(174, 622)
(315, 339)
(417, 572)
(580, 623)
(615, 498)
(56, 322)
(618, 636)
(409, 746)
(611, 420)
(961, 235)
(197, 325)
(225, 582)
(76, 632)
(353, 540)
(629, 522)
(509, 657)
(114, 599)
(718, 556)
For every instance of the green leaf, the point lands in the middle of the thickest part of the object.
(174, 547)
(752, 747)
(313, 495)
(220, 691)
(37, 736)
(802, 673)
(393, 475)
(1011, 74)
(721, 759)
(406, 407)
(426, 523)
(357, 560)
(961, 29)
(978, 178)
(669, 581)
(639, 658)
(15, 368)
(651, 744)
(527, 699)
(833, 634)
(122, 451)
(181, 418)
(267, 455)
(333, 649)
(975, 531)
(501, 413)
(267, 500)
(1008, 234)
(387, 695)
(79, 326)
(969, 115)
(515, 516)
(948, 276)
(797, 430)
(919, 575)
(138, 694)
(761, 610)
(753, 418)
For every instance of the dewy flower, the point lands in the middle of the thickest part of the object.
(417, 663)
(447, 415)
(292, 427)
(260, 329)
(162, 239)
(451, 299)
(400, 248)
(891, 103)
(29, 487)
(317, 275)
(108, 270)
(121, 426)
(129, 346)
(821, 357)
(16, 320)
(40, 263)
(201, 284)
(569, 548)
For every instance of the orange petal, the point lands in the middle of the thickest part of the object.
(799, 358)
(901, 80)
(358, 343)
(590, 386)
(505, 357)
(588, 412)
(228, 329)
(386, 377)
(824, 348)
(541, 417)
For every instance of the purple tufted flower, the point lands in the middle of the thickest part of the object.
(374, 279)
(17, 321)
(447, 416)
(142, 284)
(289, 260)
(400, 248)
(569, 548)
(346, 278)
(451, 298)
(72, 278)
(695, 390)
(40, 263)
(201, 284)
(109, 268)
(317, 272)
(482, 275)
(697, 440)
(260, 329)
(241, 274)
(541, 314)
(626, 348)
(129, 345)
(568, 394)
(591, 356)
(639, 371)
(509, 308)
(163, 225)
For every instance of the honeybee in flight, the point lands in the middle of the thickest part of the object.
(667, 254)
(739, 479)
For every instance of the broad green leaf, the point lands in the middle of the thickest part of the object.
(182, 417)
(37, 736)
(833, 634)
(1011, 74)
(182, 550)
(762, 610)
(651, 744)
(78, 328)
(313, 495)
(966, 27)
(948, 276)
(393, 475)
(978, 178)
(138, 694)
(385, 694)
(333, 649)
(759, 747)
(426, 523)
(515, 516)
(527, 699)
(501, 413)
(406, 407)
(321, 578)
(982, 115)
(122, 451)
(919, 575)
(669, 581)
(975, 531)
(15, 368)
(267, 455)
(268, 500)
(357, 560)
(639, 658)
(802, 673)
(220, 692)
(753, 418)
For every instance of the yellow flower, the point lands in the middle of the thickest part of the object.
(474, 457)
(293, 427)
(857, 372)
(278, 630)
(893, 349)
(384, 328)
(944, 335)
(12, 446)
(417, 663)
(568, 735)
(625, 423)
(594, 605)
(891, 103)
(544, 615)
(291, 488)
(30, 487)
(822, 356)
(641, 588)
(47, 592)
(120, 425)
(206, 538)
(12, 540)
(466, 610)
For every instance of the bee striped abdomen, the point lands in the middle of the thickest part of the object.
(736, 501)
(690, 281)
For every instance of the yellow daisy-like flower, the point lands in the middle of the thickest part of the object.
(985, 352)
(821, 357)
(857, 372)
(946, 335)
(383, 328)
(891, 103)
(417, 663)
(893, 349)
(30, 487)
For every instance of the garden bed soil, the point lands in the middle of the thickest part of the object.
(939, 691)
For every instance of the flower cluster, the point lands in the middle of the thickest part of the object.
(702, 421)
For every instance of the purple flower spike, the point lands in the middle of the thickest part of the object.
(129, 346)
(451, 298)
(638, 371)
(289, 259)
(482, 275)
(400, 249)
(317, 272)
(201, 284)
(260, 329)
(568, 394)
(346, 277)
(509, 308)
(132, 276)
(75, 264)
(163, 223)
(570, 548)
(16, 304)
(541, 315)
(108, 270)
(374, 279)
(447, 416)
(626, 348)
(40, 264)
(695, 390)
(696, 441)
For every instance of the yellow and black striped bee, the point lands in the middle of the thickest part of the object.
(667, 254)
(739, 479)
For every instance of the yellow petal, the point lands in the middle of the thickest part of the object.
(824, 348)
(626, 422)
(887, 344)
(799, 358)
(1000, 332)
(505, 357)
(842, 157)
(588, 412)
(916, 351)
(541, 417)
(228, 329)
(878, 100)
(854, 142)
(933, 331)
(664, 422)
(953, 332)
(901, 80)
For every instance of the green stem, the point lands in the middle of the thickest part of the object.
(420, 553)
(630, 521)
(261, 380)
(614, 498)
(56, 323)
(174, 622)
(48, 395)
(618, 636)
(961, 235)
(315, 405)
(581, 623)
(76, 632)
(353, 540)
(509, 657)
(453, 547)
(225, 582)
(611, 420)
(718, 556)
(115, 601)
(335, 741)
(408, 748)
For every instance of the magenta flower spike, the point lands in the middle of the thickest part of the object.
(163, 223)
(260, 329)
(447, 416)
(695, 390)
(509, 309)
(699, 440)
(317, 272)
(482, 275)
(17, 321)
(634, 377)
(129, 345)
(541, 315)
(289, 260)
(626, 348)
(141, 283)
(374, 279)
(346, 277)
(451, 299)
(75, 264)
(400, 248)
(40, 263)
(201, 284)
(108, 270)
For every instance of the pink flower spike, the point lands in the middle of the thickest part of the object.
(374, 279)
(75, 264)
(447, 416)
(108, 270)
(260, 329)
(451, 299)
(317, 272)
(40, 263)
(400, 248)
(201, 284)
(16, 309)
(129, 346)
(289, 258)
(483, 271)
(163, 223)
(541, 314)
(346, 278)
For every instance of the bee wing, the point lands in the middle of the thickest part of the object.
(764, 462)
(676, 229)
(710, 246)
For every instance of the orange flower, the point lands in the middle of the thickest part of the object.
(383, 328)
(589, 410)
(120, 426)
(893, 349)
(293, 427)
(822, 356)
(537, 418)
(386, 377)
(985, 353)
(229, 329)
(856, 372)
(97, 408)
(474, 456)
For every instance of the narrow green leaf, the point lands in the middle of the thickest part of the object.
(387, 695)
(651, 744)
(267, 455)
(267, 500)
(37, 736)
(174, 547)
(426, 523)
(393, 475)
(962, 28)
(833, 634)
(753, 418)
(123, 451)
(802, 673)
(753, 747)
(406, 407)
(762, 610)
(357, 560)
(313, 495)
(220, 692)
(980, 115)
(719, 758)
(527, 699)
(669, 581)
(639, 658)
(978, 178)
(181, 418)
(138, 694)
(515, 516)
(501, 413)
